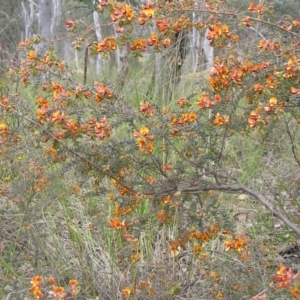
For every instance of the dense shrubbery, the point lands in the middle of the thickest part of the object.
(150, 193)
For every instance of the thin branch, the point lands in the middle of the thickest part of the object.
(242, 188)
(292, 142)
(275, 25)
(30, 1)
(5, 14)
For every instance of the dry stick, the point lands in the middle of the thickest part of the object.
(255, 194)
(294, 149)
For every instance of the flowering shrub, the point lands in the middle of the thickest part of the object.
(152, 174)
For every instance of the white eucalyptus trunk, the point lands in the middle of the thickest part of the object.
(99, 38)
(201, 51)
(118, 54)
(195, 44)
(28, 12)
(208, 52)
(55, 16)
(48, 19)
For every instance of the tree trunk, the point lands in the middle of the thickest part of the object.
(208, 52)
(28, 16)
(45, 19)
(99, 39)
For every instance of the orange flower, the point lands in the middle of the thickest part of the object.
(73, 282)
(31, 55)
(295, 90)
(146, 13)
(51, 280)
(127, 291)
(153, 40)
(254, 116)
(162, 216)
(236, 244)
(192, 116)
(229, 244)
(36, 291)
(144, 283)
(167, 200)
(115, 223)
(205, 102)
(4, 130)
(251, 6)
(174, 249)
(239, 244)
(36, 281)
(218, 97)
(136, 257)
(144, 130)
(122, 12)
(166, 42)
(220, 120)
(109, 43)
(167, 167)
(69, 23)
(295, 292)
(246, 21)
(128, 237)
(141, 143)
(296, 23)
(57, 117)
(197, 248)
(147, 109)
(139, 44)
(285, 277)
(163, 26)
(58, 290)
(149, 147)
(182, 102)
(258, 87)
(259, 8)
(150, 179)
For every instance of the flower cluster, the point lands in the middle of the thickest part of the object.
(144, 139)
(116, 223)
(285, 277)
(255, 118)
(146, 14)
(237, 244)
(272, 106)
(122, 13)
(40, 291)
(4, 130)
(102, 92)
(155, 41)
(101, 129)
(138, 45)
(220, 120)
(107, 45)
(205, 101)
(147, 109)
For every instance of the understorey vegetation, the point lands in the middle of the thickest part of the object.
(140, 175)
